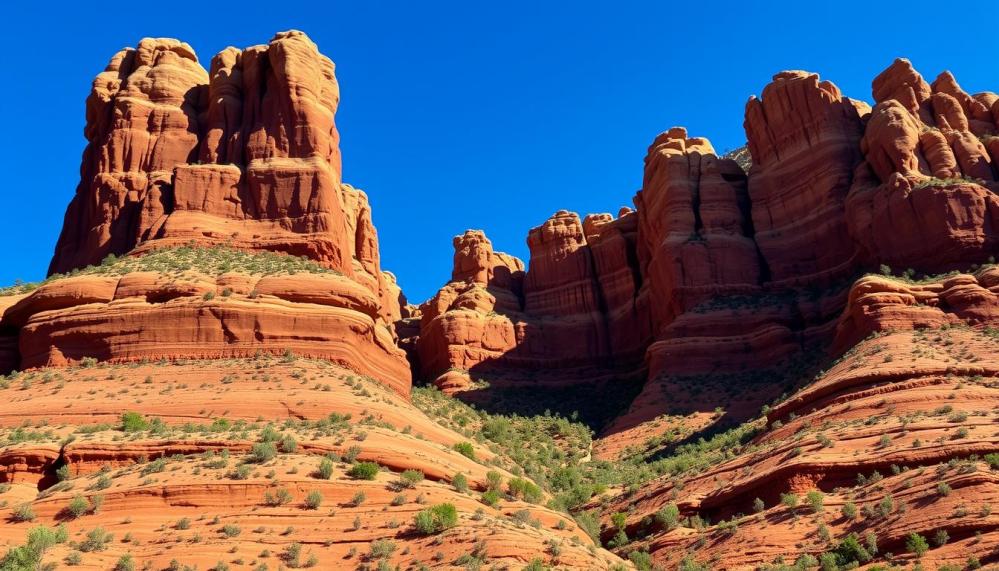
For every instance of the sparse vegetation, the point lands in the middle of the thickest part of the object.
(436, 519)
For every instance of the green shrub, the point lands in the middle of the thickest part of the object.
(460, 482)
(789, 500)
(231, 530)
(288, 445)
(941, 538)
(916, 544)
(97, 540)
(325, 471)
(849, 510)
(641, 560)
(262, 452)
(358, 499)
(669, 516)
(815, 500)
(351, 454)
(494, 481)
(78, 506)
(850, 550)
(363, 471)
(490, 498)
(525, 490)
(436, 519)
(29, 556)
(133, 422)
(465, 449)
(410, 478)
(279, 498)
(381, 549)
(23, 512)
(313, 500)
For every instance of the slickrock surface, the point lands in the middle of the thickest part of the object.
(152, 307)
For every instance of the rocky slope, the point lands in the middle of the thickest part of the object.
(220, 462)
(737, 286)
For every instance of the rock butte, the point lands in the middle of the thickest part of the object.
(215, 274)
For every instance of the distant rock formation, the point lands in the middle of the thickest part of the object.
(720, 270)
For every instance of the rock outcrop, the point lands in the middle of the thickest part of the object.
(925, 196)
(722, 271)
(246, 157)
(150, 316)
(153, 486)
(888, 442)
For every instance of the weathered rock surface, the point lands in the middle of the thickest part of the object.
(895, 430)
(246, 155)
(148, 315)
(925, 195)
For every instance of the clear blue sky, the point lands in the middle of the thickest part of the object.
(472, 114)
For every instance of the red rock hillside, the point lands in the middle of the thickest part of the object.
(782, 358)
(212, 379)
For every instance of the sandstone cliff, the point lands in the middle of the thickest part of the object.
(244, 157)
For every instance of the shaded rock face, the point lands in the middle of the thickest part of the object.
(245, 155)
(568, 321)
(720, 270)
(803, 135)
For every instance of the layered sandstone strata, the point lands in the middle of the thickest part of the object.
(242, 157)
(149, 315)
(188, 488)
(246, 154)
(570, 314)
(888, 442)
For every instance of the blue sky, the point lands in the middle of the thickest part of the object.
(488, 115)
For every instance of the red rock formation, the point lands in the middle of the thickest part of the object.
(151, 479)
(246, 155)
(925, 197)
(803, 135)
(572, 314)
(147, 315)
(904, 407)
(878, 304)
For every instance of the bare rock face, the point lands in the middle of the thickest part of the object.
(571, 319)
(803, 135)
(149, 316)
(925, 196)
(245, 156)
(695, 231)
